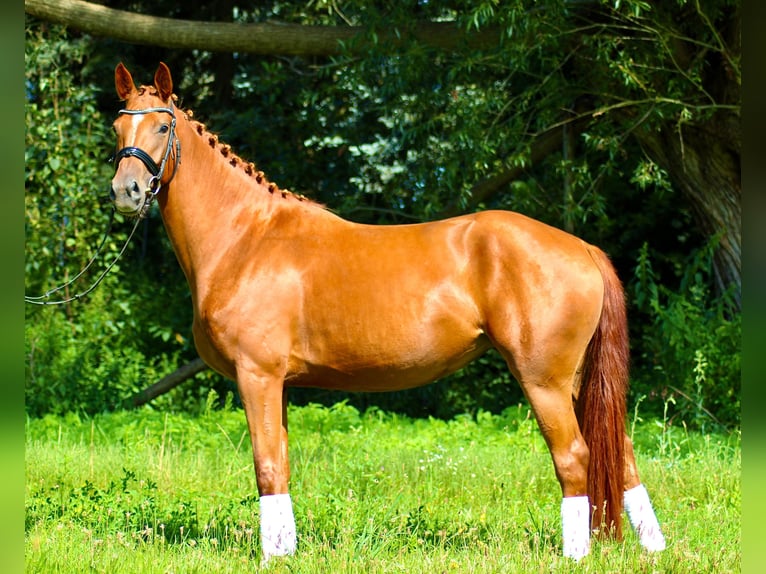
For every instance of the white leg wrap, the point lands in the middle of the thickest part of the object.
(642, 518)
(277, 525)
(575, 524)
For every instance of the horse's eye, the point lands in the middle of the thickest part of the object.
(164, 128)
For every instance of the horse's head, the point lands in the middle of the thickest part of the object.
(149, 150)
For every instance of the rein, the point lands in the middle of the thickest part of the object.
(43, 299)
(155, 184)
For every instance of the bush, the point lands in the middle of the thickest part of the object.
(89, 365)
(690, 345)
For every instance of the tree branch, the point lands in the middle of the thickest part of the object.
(264, 39)
(166, 383)
(546, 143)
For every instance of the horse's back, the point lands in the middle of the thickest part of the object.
(419, 301)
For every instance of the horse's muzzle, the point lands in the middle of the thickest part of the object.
(128, 196)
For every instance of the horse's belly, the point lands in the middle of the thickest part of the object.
(387, 365)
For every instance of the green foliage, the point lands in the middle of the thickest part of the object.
(690, 342)
(134, 507)
(88, 365)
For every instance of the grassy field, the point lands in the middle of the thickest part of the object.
(153, 492)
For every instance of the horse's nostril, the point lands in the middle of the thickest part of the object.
(112, 195)
(134, 189)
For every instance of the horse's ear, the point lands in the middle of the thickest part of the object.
(163, 82)
(123, 81)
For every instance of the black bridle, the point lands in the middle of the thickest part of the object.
(157, 171)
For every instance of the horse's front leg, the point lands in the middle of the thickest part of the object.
(265, 401)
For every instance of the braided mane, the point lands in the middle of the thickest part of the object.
(225, 149)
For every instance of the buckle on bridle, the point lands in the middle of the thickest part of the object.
(154, 185)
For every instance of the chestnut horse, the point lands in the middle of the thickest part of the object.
(285, 293)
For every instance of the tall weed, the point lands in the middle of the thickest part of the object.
(690, 344)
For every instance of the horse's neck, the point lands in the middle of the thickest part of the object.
(210, 205)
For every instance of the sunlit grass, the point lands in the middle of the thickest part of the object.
(153, 492)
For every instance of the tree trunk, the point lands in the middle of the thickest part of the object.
(703, 159)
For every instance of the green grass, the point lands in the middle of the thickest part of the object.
(153, 492)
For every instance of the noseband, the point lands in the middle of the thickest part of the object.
(155, 183)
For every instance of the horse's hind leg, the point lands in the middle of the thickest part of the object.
(265, 403)
(551, 401)
(638, 506)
